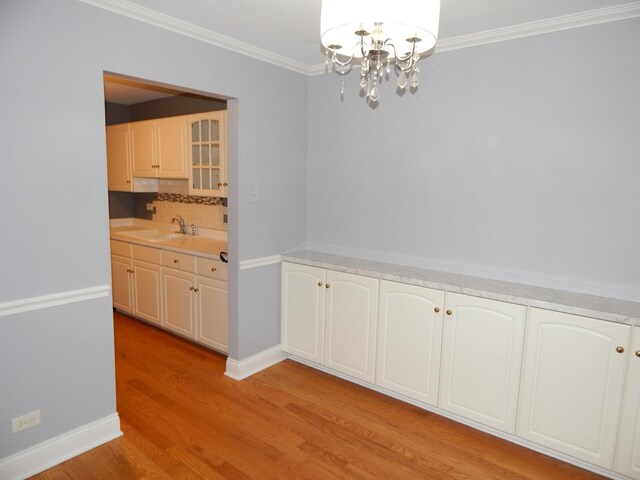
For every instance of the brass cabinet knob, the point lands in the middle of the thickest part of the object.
(224, 184)
(128, 181)
(319, 284)
(175, 260)
(219, 184)
(191, 288)
(196, 290)
(449, 312)
(637, 353)
(620, 349)
(437, 309)
(213, 269)
(327, 286)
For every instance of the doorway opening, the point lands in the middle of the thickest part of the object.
(167, 186)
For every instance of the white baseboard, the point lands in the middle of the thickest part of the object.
(45, 455)
(239, 370)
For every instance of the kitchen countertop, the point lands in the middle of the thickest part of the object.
(152, 234)
(603, 308)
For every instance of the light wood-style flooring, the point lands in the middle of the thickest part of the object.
(183, 419)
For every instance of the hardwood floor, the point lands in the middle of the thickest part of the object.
(183, 419)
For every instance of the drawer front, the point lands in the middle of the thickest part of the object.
(179, 261)
(209, 267)
(120, 248)
(146, 254)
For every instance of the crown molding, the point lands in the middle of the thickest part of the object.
(565, 22)
(556, 24)
(143, 14)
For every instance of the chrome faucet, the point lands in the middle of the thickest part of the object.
(180, 221)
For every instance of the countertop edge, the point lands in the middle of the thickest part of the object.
(162, 246)
(602, 308)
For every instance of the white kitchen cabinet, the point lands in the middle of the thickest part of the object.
(350, 324)
(572, 384)
(409, 340)
(171, 156)
(627, 461)
(303, 304)
(211, 312)
(179, 306)
(159, 148)
(208, 154)
(122, 283)
(147, 287)
(143, 148)
(196, 306)
(118, 158)
(330, 318)
(481, 359)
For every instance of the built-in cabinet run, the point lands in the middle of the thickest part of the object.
(183, 293)
(556, 380)
(189, 147)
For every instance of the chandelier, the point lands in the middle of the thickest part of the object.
(381, 35)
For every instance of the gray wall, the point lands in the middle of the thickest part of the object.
(52, 146)
(516, 160)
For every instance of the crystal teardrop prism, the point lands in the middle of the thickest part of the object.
(415, 80)
(402, 79)
(363, 81)
(374, 95)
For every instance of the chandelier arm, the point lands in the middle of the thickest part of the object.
(338, 62)
(399, 59)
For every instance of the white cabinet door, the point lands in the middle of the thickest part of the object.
(143, 149)
(118, 161)
(409, 340)
(211, 312)
(121, 284)
(572, 384)
(303, 304)
(628, 448)
(178, 306)
(207, 154)
(351, 322)
(147, 286)
(172, 140)
(481, 360)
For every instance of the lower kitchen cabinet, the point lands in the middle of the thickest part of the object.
(211, 312)
(147, 288)
(330, 318)
(627, 460)
(302, 310)
(481, 359)
(350, 324)
(179, 305)
(409, 340)
(122, 283)
(572, 386)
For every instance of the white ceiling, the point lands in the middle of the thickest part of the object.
(286, 32)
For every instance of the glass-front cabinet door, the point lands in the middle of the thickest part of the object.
(207, 139)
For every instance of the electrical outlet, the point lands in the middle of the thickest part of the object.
(150, 207)
(25, 421)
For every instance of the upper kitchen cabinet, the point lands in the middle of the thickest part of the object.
(159, 148)
(207, 141)
(118, 158)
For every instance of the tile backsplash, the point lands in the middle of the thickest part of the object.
(205, 212)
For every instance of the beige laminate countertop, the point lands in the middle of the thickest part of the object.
(202, 246)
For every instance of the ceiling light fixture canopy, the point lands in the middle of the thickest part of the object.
(380, 34)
